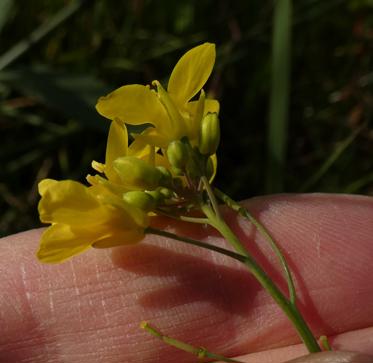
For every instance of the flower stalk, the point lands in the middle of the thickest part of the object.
(287, 305)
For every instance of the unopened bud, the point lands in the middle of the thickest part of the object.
(166, 176)
(166, 193)
(156, 195)
(137, 174)
(160, 194)
(209, 136)
(140, 200)
(194, 167)
(177, 154)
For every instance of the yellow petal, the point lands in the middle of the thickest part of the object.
(134, 104)
(117, 146)
(125, 225)
(191, 72)
(139, 148)
(174, 126)
(105, 185)
(133, 217)
(59, 242)
(118, 239)
(69, 202)
(45, 184)
(152, 137)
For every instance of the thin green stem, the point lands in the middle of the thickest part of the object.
(220, 225)
(288, 308)
(200, 352)
(247, 215)
(191, 241)
(183, 218)
(210, 193)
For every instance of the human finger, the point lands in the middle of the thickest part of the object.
(89, 308)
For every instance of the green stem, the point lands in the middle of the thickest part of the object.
(247, 215)
(210, 193)
(183, 218)
(194, 242)
(200, 352)
(288, 308)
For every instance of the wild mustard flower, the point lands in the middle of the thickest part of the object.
(167, 170)
(82, 217)
(172, 113)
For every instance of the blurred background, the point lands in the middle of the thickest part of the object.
(57, 57)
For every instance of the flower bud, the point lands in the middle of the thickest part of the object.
(209, 136)
(156, 195)
(166, 193)
(177, 154)
(166, 176)
(137, 174)
(140, 200)
(160, 194)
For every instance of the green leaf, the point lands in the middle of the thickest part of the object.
(73, 95)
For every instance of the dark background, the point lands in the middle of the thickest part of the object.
(49, 127)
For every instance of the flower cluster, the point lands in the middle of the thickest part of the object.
(166, 170)
(160, 172)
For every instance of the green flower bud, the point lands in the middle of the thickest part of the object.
(137, 174)
(166, 176)
(177, 154)
(209, 135)
(140, 200)
(160, 194)
(193, 169)
(156, 195)
(166, 193)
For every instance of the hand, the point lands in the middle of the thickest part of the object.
(89, 308)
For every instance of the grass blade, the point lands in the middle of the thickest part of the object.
(279, 99)
(341, 147)
(44, 29)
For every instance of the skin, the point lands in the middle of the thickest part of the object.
(88, 309)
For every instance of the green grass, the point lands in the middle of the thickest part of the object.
(279, 96)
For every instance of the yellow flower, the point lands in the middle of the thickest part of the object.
(172, 113)
(82, 217)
